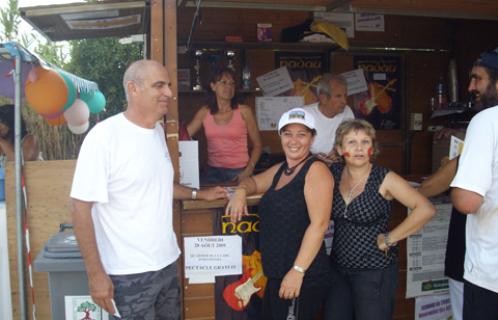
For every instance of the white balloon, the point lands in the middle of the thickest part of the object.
(78, 113)
(78, 129)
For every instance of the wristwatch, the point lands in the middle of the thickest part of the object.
(194, 194)
(388, 242)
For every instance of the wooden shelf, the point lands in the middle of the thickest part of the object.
(239, 91)
(305, 46)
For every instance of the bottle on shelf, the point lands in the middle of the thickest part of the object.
(246, 78)
(441, 97)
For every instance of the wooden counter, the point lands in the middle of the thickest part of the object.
(48, 184)
(197, 219)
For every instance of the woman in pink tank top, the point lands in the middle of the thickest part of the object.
(228, 126)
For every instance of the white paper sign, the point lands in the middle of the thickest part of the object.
(189, 163)
(434, 307)
(456, 147)
(372, 22)
(425, 252)
(275, 82)
(356, 81)
(270, 109)
(207, 257)
(345, 21)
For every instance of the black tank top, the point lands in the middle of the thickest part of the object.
(283, 220)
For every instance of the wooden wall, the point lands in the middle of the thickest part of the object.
(403, 151)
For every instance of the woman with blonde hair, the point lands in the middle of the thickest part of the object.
(364, 258)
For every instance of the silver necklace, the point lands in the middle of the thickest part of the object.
(351, 192)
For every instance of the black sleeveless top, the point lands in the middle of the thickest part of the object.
(283, 221)
(356, 227)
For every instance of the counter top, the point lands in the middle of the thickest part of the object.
(203, 204)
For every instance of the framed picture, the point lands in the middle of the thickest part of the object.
(305, 68)
(382, 104)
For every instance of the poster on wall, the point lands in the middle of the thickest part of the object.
(240, 297)
(381, 105)
(305, 69)
(425, 252)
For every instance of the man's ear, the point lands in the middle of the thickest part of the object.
(132, 88)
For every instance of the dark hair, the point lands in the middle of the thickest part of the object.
(215, 77)
(489, 61)
(492, 73)
(7, 118)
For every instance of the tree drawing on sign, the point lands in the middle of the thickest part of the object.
(86, 307)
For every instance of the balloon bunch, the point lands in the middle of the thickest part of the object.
(54, 96)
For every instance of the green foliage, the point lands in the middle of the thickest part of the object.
(9, 20)
(104, 61)
(53, 53)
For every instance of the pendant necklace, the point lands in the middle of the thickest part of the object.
(351, 192)
(288, 171)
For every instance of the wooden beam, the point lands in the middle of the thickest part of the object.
(170, 61)
(157, 30)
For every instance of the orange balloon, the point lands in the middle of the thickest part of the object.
(46, 91)
(55, 119)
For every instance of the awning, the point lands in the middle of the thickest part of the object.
(89, 20)
(8, 53)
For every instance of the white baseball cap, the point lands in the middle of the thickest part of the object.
(296, 115)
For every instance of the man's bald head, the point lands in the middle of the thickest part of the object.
(136, 71)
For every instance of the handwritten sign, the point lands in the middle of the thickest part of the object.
(275, 82)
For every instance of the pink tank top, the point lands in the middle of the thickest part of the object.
(226, 144)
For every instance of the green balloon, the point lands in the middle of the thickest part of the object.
(71, 91)
(95, 100)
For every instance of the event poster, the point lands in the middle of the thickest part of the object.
(305, 69)
(381, 105)
(240, 297)
(425, 252)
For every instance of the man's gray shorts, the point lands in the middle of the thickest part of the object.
(149, 295)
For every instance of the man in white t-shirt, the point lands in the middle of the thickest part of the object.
(122, 203)
(475, 192)
(329, 112)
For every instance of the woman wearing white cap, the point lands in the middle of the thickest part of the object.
(294, 215)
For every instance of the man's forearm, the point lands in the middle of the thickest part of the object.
(181, 193)
(85, 234)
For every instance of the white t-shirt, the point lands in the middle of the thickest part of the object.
(478, 172)
(326, 127)
(126, 171)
